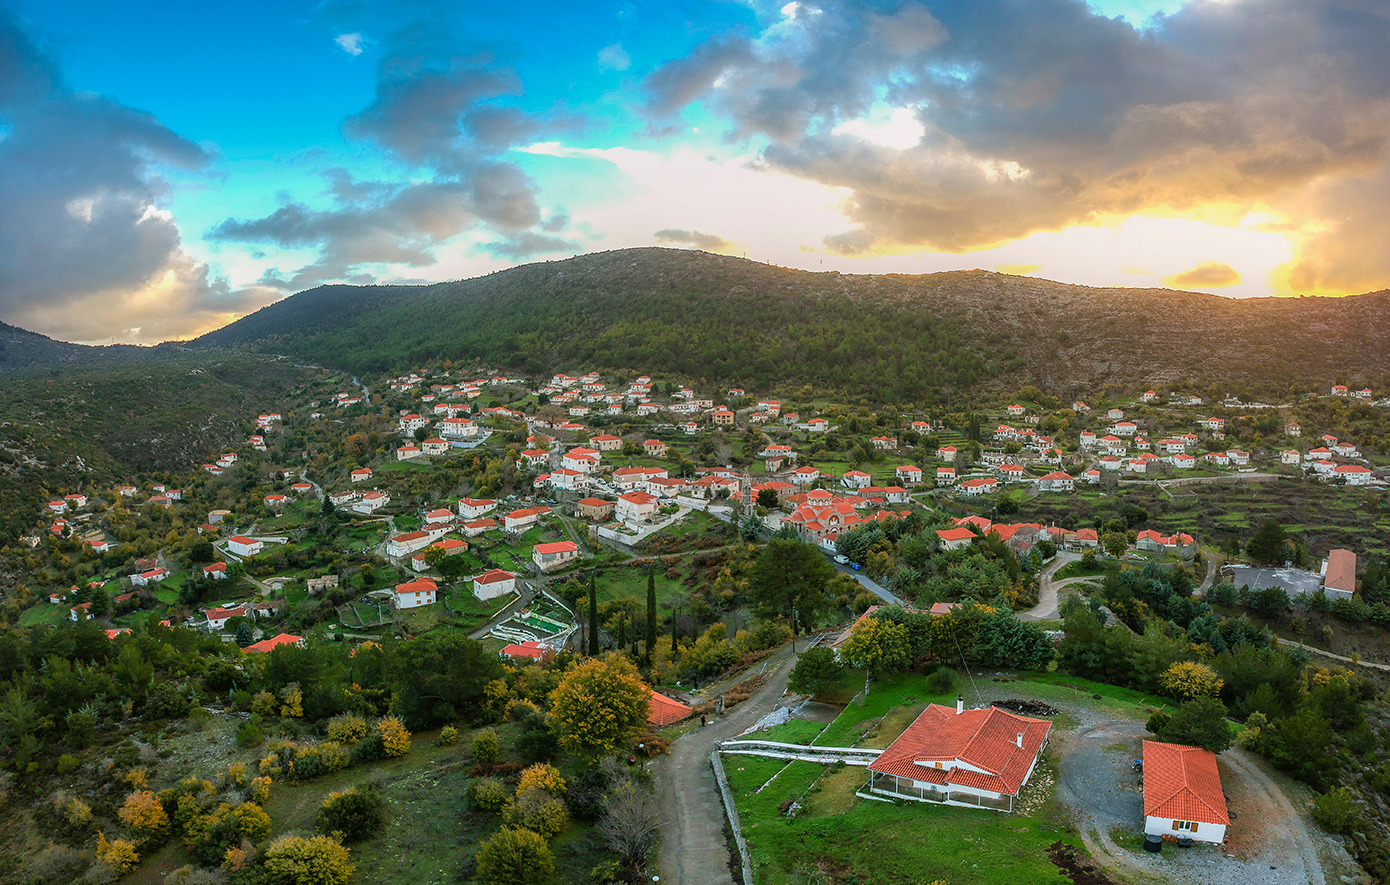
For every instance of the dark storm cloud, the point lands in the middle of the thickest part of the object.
(1040, 115)
(439, 105)
(85, 253)
(675, 237)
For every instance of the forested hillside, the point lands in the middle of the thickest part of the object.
(901, 338)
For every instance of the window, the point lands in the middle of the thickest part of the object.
(1185, 825)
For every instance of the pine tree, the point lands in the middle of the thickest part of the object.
(651, 616)
(593, 616)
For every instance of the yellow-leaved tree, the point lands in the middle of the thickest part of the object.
(599, 705)
(144, 813)
(119, 855)
(878, 645)
(1188, 679)
(395, 739)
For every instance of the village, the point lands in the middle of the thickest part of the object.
(425, 504)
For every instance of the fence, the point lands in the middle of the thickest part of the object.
(732, 812)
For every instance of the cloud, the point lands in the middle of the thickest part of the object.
(707, 242)
(1207, 275)
(440, 106)
(350, 43)
(1044, 115)
(86, 252)
(1018, 269)
(614, 58)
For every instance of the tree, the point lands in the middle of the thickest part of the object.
(629, 824)
(651, 617)
(1200, 722)
(593, 616)
(1187, 680)
(1270, 544)
(788, 577)
(441, 676)
(245, 633)
(319, 860)
(750, 527)
(538, 811)
(395, 739)
(767, 498)
(514, 857)
(1115, 543)
(878, 645)
(600, 704)
(816, 671)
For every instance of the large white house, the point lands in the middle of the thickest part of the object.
(240, 545)
(494, 583)
(413, 594)
(635, 506)
(976, 758)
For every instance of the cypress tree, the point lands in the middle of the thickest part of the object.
(651, 615)
(593, 616)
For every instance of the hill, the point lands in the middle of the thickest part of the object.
(22, 350)
(899, 337)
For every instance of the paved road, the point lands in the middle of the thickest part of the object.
(1048, 597)
(1289, 643)
(693, 847)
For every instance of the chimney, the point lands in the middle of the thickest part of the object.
(1019, 740)
(960, 705)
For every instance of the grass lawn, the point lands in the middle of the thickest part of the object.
(623, 582)
(44, 614)
(472, 611)
(880, 842)
(907, 690)
(1077, 570)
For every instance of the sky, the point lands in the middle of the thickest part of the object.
(168, 167)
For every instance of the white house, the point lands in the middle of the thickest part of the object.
(553, 555)
(519, 520)
(473, 508)
(361, 475)
(407, 543)
(413, 594)
(1354, 474)
(215, 571)
(1290, 456)
(1056, 482)
(978, 486)
(244, 546)
(1182, 793)
(370, 502)
(407, 452)
(153, 576)
(976, 758)
(494, 583)
(856, 479)
(909, 474)
(218, 617)
(635, 506)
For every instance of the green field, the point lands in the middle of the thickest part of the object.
(631, 583)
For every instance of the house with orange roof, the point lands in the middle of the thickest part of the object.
(975, 758)
(978, 486)
(666, 711)
(607, 442)
(856, 479)
(361, 475)
(635, 506)
(1182, 793)
(594, 508)
(1057, 481)
(956, 538)
(531, 650)
(1339, 574)
(493, 583)
(518, 520)
(554, 555)
(265, 646)
(413, 594)
(908, 474)
(655, 448)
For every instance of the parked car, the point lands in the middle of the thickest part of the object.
(842, 559)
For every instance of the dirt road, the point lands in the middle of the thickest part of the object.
(693, 848)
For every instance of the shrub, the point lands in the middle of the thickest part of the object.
(67, 763)
(347, 728)
(260, 790)
(395, 739)
(119, 855)
(486, 794)
(541, 777)
(294, 860)
(538, 811)
(448, 736)
(353, 815)
(485, 747)
(264, 704)
(210, 835)
(369, 749)
(941, 680)
(1186, 680)
(514, 857)
(1335, 811)
(249, 735)
(143, 812)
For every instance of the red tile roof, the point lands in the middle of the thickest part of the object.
(555, 547)
(1341, 571)
(1182, 783)
(665, 711)
(494, 576)
(531, 650)
(986, 740)
(267, 645)
(960, 533)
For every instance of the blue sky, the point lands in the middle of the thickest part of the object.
(165, 168)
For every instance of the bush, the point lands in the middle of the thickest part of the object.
(347, 728)
(264, 704)
(1335, 811)
(119, 855)
(67, 763)
(369, 749)
(395, 739)
(448, 736)
(485, 747)
(144, 813)
(294, 860)
(353, 815)
(538, 811)
(249, 735)
(514, 857)
(541, 777)
(486, 794)
(941, 680)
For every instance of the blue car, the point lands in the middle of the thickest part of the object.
(856, 566)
